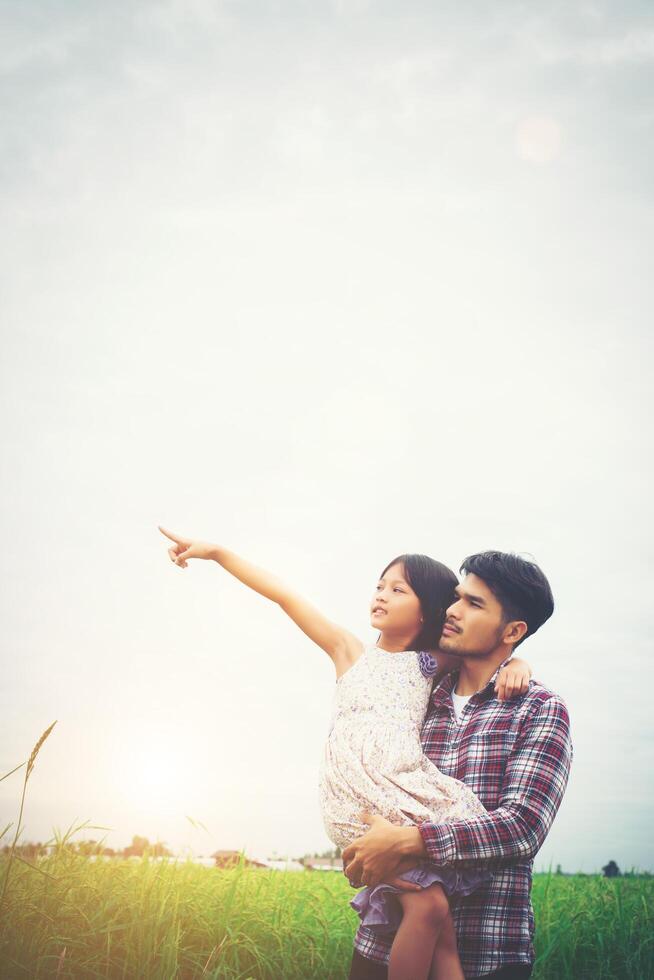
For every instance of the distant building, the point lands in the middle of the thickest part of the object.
(323, 864)
(284, 864)
(230, 859)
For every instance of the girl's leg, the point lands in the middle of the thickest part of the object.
(445, 964)
(424, 915)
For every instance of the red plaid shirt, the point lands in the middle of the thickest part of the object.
(516, 757)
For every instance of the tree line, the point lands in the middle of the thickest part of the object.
(88, 848)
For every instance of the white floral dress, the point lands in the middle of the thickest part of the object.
(373, 761)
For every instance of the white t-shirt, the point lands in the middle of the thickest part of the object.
(459, 701)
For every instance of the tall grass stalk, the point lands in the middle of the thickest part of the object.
(28, 771)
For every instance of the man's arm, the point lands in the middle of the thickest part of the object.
(534, 782)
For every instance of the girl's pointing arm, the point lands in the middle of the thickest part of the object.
(338, 643)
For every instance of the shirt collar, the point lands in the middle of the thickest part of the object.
(443, 690)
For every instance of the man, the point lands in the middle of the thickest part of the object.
(514, 754)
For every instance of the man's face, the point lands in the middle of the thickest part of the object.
(474, 624)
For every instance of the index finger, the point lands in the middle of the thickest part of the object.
(170, 535)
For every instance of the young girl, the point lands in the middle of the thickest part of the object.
(373, 759)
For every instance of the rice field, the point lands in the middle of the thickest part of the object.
(67, 915)
(74, 917)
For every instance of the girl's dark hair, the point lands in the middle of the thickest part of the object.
(519, 586)
(434, 584)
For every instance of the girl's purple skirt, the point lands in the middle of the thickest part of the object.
(381, 912)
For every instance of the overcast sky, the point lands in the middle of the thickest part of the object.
(322, 282)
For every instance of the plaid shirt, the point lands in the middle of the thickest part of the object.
(515, 755)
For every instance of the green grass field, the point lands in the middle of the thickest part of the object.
(145, 919)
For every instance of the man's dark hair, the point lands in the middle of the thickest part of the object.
(518, 584)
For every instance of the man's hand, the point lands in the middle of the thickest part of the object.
(382, 853)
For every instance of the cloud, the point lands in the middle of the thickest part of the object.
(635, 47)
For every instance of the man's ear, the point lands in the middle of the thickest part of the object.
(514, 631)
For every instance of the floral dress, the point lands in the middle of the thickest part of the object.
(373, 761)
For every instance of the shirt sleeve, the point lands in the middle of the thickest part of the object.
(534, 782)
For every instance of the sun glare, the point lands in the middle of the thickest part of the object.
(157, 770)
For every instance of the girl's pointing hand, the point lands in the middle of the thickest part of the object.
(185, 548)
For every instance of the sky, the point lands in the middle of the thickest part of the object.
(323, 283)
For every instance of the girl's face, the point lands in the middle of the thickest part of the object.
(395, 608)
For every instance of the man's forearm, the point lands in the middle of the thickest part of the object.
(507, 833)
